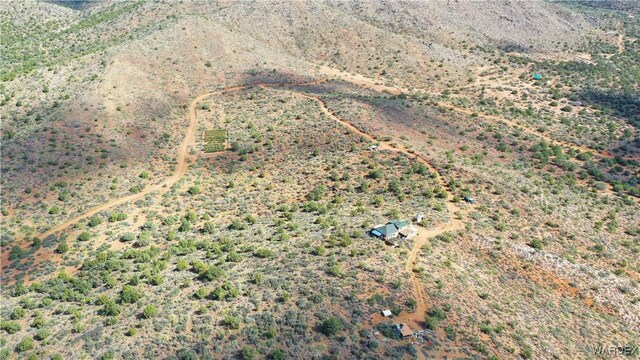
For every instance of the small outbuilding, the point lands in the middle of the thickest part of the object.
(386, 313)
(408, 232)
(403, 330)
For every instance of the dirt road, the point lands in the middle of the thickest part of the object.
(416, 318)
(377, 85)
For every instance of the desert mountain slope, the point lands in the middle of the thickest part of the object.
(200, 179)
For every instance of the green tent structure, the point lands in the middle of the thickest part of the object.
(537, 77)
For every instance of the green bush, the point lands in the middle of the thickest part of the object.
(331, 326)
(95, 221)
(129, 294)
(263, 253)
(17, 313)
(249, 353)
(212, 273)
(43, 334)
(62, 248)
(10, 327)
(150, 311)
(25, 345)
(232, 321)
(110, 308)
(84, 236)
(117, 216)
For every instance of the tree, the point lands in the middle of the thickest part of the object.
(84, 236)
(331, 326)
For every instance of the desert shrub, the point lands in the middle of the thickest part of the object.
(433, 318)
(95, 221)
(117, 216)
(17, 253)
(263, 253)
(10, 327)
(317, 193)
(182, 265)
(209, 228)
(331, 326)
(202, 293)
(17, 313)
(62, 248)
(375, 174)
(185, 226)
(218, 293)
(232, 321)
(536, 244)
(25, 345)
(249, 353)
(258, 278)
(150, 311)
(43, 334)
(110, 308)
(335, 270)
(237, 225)
(84, 236)
(129, 294)
(128, 237)
(212, 273)
(156, 279)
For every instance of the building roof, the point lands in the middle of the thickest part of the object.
(407, 232)
(404, 329)
(392, 227)
(399, 223)
(387, 312)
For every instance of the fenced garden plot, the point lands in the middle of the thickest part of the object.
(215, 140)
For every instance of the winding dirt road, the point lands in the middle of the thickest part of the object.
(415, 318)
(376, 85)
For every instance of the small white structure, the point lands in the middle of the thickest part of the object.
(418, 218)
(386, 313)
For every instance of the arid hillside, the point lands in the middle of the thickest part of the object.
(319, 179)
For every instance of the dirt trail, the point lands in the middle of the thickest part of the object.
(182, 165)
(416, 318)
(620, 43)
(372, 84)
